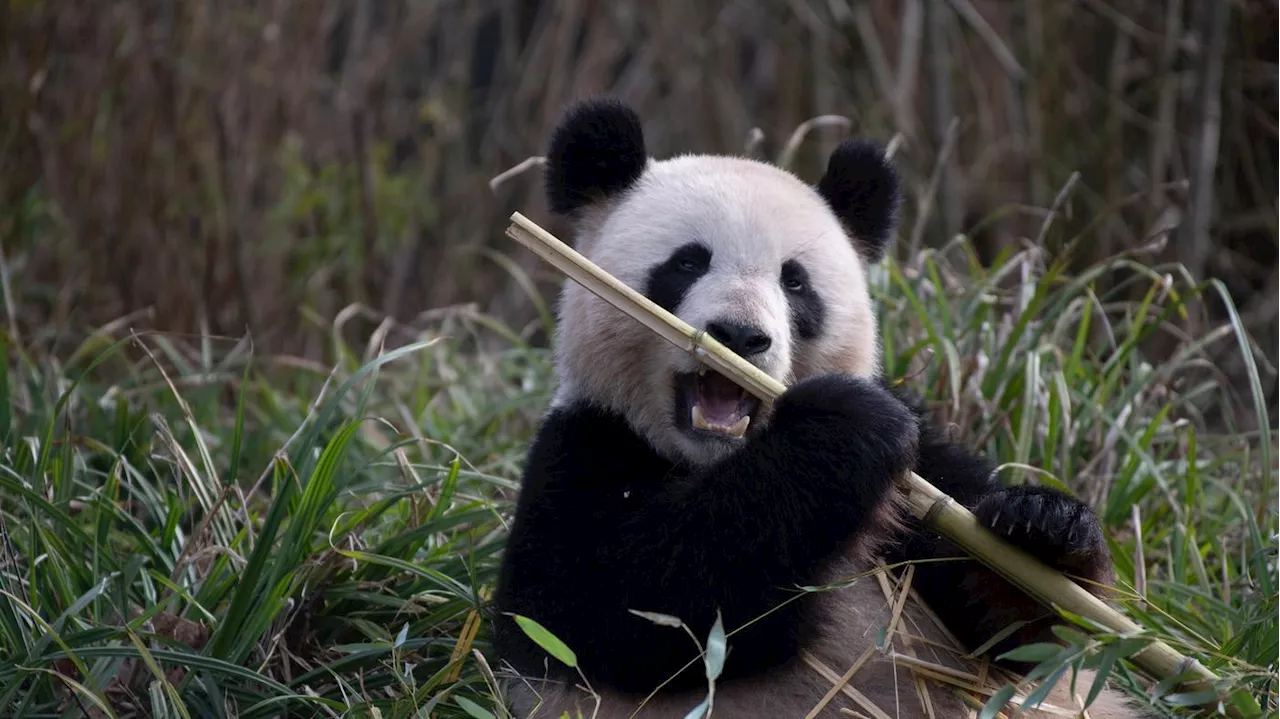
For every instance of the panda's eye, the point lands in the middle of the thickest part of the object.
(691, 259)
(794, 278)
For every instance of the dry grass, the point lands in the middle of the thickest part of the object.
(196, 168)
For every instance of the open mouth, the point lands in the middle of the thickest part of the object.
(711, 404)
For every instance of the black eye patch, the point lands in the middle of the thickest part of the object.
(807, 310)
(669, 282)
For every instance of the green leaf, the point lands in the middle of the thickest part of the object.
(249, 587)
(1109, 657)
(996, 702)
(665, 620)
(716, 646)
(1070, 636)
(547, 640)
(169, 691)
(1191, 699)
(1038, 652)
(446, 491)
(1132, 645)
(1244, 702)
(1266, 446)
(473, 709)
(1042, 691)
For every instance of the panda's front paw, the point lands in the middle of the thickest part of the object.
(850, 414)
(1061, 531)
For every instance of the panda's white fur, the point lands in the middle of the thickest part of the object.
(753, 217)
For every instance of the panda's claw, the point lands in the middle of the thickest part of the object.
(1058, 529)
(995, 521)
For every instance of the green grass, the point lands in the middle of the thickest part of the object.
(191, 529)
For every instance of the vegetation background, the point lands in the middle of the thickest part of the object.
(215, 215)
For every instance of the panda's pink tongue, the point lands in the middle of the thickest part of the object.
(719, 398)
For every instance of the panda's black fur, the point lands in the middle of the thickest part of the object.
(862, 189)
(605, 524)
(596, 151)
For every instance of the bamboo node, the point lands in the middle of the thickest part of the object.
(938, 506)
(695, 345)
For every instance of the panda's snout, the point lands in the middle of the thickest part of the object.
(745, 340)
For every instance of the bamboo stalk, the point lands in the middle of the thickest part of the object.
(926, 502)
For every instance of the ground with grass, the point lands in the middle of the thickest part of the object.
(194, 529)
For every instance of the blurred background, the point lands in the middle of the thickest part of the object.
(243, 166)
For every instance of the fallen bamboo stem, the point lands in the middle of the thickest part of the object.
(927, 503)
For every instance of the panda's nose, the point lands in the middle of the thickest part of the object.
(744, 340)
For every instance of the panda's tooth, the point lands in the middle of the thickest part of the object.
(699, 421)
(698, 418)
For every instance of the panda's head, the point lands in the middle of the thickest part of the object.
(772, 267)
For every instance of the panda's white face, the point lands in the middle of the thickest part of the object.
(738, 248)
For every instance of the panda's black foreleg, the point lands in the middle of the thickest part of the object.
(974, 601)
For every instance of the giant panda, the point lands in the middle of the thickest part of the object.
(654, 485)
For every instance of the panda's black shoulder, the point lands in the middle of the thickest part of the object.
(582, 442)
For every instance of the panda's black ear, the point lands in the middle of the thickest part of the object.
(862, 187)
(597, 151)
